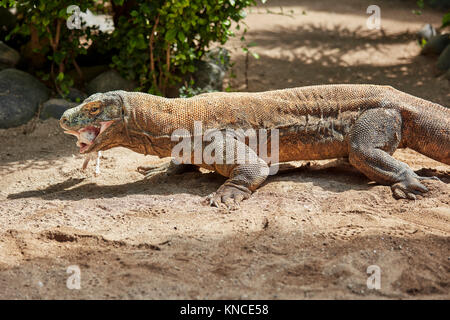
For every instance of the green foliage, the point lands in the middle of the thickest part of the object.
(163, 39)
(189, 90)
(421, 5)
(446, 20)
(44, 22)
(422, 42)
(155, 43)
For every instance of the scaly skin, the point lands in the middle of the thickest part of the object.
(365, 123)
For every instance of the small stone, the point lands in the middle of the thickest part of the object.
(54, 108)
(209, 76)
(8, 56)
(427, 32)
(219, 56)
(109, 81)
(75, 95)
(436, 44)
(443, 62)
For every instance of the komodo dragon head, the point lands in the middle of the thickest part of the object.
(97, 122)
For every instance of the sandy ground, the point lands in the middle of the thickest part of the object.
(307, 234)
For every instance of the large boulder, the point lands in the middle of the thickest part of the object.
(109, 81)
(8, 56)
(436, 44)
(20, 96)
(54, 108)
(447, 75)
(443, 62)
(439, 4)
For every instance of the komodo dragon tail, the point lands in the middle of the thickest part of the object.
(426, 127)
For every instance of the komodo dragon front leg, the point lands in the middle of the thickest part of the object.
(374, 137)
(245, 173)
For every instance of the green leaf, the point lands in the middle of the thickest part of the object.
(60, 77)
(181, 36)
(141, 43)
(170, 35)
(446, 20)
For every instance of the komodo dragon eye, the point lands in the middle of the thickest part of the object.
(93, 109)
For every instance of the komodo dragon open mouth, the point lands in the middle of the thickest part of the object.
(87, 136)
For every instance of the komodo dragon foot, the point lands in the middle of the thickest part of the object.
(410, 186)
(166, 169)
(230, 195)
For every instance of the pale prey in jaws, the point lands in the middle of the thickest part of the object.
(86, 136)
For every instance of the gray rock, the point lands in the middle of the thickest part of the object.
(436, 44)
(209, 76)
(439, 4)
(443, 62)
(75, 95)
(8, 56)
(427, 32)
(20, 96)
(219, 56)
(447, 75)
(109, 81)
(211, 71)
(54, 108)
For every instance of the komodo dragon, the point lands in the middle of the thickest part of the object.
(365, 123)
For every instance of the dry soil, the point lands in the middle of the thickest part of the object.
(311, 233)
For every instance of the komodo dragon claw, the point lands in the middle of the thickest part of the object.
(410, 187)
(228, 195)
(166, 169)
(151, 171)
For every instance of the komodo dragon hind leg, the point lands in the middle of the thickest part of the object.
(169, 168)
(374, 137)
